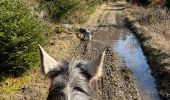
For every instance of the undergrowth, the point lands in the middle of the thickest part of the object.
(69, 11)
(156, 19)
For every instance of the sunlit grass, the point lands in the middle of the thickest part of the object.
(12, 84)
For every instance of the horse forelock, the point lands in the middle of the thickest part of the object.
(70, 83)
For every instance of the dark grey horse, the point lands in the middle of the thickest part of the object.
(71, 80)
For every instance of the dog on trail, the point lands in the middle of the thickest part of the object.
(84, 34)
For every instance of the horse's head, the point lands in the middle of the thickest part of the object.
(70, 80)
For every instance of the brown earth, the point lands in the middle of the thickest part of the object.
(117, 82)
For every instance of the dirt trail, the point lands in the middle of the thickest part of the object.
(117, 82)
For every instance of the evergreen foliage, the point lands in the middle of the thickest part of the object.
(20, 33)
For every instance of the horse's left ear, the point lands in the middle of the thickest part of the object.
(95, 67)
(47, 63)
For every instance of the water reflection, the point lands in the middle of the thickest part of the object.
(129, 49)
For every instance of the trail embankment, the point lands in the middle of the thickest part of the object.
(157, 50)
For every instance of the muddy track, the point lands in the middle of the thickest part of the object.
(116, 83)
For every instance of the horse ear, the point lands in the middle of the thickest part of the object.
(47, 63)
(95, 67)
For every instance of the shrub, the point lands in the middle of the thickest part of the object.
(58, 8)
(20, 33)
(66, 11)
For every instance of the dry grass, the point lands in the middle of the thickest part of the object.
(63, 43)
(156, 19)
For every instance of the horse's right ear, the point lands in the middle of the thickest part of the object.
(47, 63)
(95, 67)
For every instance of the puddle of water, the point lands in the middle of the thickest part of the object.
(129, 49)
